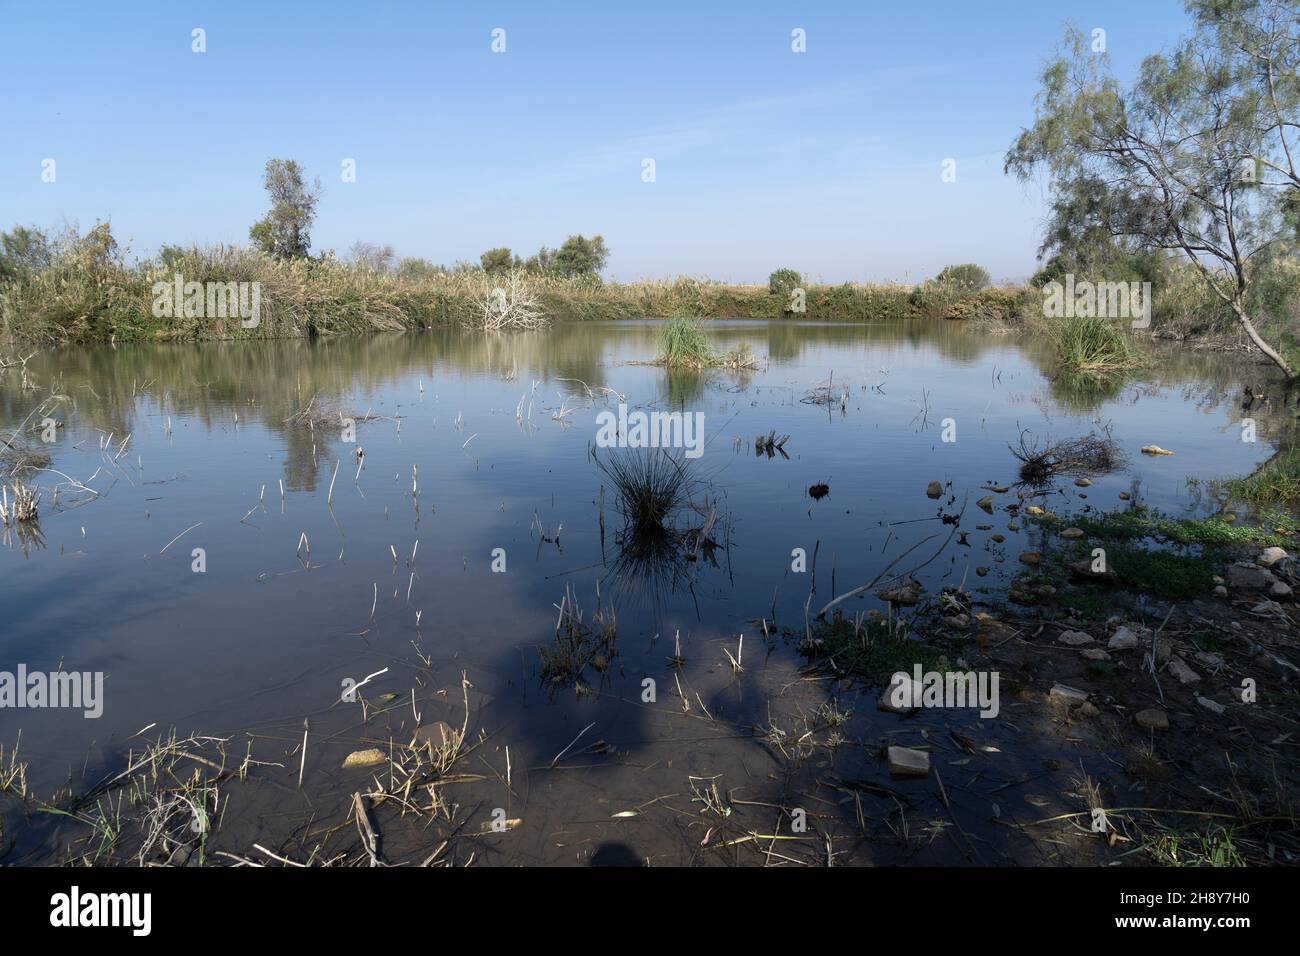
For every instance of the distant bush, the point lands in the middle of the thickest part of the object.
(782, 281)
(964, 279)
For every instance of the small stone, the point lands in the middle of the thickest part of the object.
(1213, 706)
(1031, 558)
(1034, 511)
(1072, 534)
(1164, 650)
(1123, 640)
(1271, 556)
(364, 758)
(1088, 709)
(906, 762)
(981, 571)
(1013, 526)
(998, 538)
(1074, 638)
(1213, 661)
(1155, 450)
(1083, 482)
(1152, 719)
(986, 503)
(999, 489)
(1280, 591)
(1178, 667)
(1220, 591)
(1228, 516)
(1068, 693)
(1094, 654)
(934, 490)
(1124, 496)
(1218, 580)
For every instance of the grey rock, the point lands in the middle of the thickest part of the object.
(1212, 706)
(1123, 640)
(1074, 638)
(1152, 719)
(1245, 576)
(1178, 667)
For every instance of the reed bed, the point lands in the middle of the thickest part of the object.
(90, 296)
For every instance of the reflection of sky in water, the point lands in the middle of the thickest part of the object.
(257, 638)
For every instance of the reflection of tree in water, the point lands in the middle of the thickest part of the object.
(112, 388)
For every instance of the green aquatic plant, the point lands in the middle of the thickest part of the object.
(1092, 344)
(684, 343)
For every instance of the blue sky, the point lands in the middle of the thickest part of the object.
(827, 161)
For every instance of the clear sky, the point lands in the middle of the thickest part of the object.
(827, 161)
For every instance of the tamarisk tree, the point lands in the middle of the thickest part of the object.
(1197, 155)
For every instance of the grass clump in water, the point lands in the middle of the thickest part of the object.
(1092, 344)
(683, 342)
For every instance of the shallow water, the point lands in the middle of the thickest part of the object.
(258, 642)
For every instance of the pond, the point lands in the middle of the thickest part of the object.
(229, 567)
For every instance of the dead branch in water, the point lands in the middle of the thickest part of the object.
(1043, 461)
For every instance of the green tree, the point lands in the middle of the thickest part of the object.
(580, 256)
(415, 268)
(498, 260)
(24, 250)
(1195, 156)
(169, 256)
(285, 231)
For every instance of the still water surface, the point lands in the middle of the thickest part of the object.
(257, 642)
